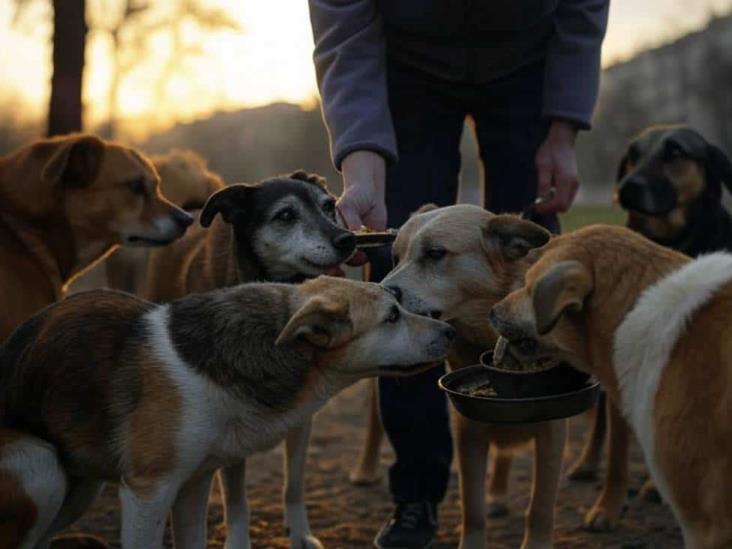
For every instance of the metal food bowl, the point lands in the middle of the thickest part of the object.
(523, 397)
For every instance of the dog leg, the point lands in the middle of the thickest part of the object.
(366, 471)
(606, 511)
(190, 511)
(498, 483)
(236, 507)
(296, 517)
(80, 495)
(144, 513)
(34, 486)
(586, 467)
(472, 451)
(548, 453)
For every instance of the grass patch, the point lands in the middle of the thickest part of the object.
(579, 216)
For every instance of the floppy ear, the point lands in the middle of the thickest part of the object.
(229, 202)
(514, 236)
(719, 168)
(562, 287)
(321, 322)
(424, 208)
(75, 162)
(302, 175)
(622, 168)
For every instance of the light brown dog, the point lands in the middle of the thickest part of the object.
(653, 326)
(455, 263)
(65, 203)
(187, 182)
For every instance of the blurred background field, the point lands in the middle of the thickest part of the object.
(233, 80)
(590, 214)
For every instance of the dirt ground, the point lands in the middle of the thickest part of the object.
(345, 516)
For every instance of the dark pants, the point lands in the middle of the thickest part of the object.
(428, 117)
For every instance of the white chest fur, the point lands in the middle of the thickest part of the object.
(647, 336)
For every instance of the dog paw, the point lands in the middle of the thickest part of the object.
(496, 508)
(650, 493)
(581, 472)
(306, 542)
(364, 477)
(601, 519)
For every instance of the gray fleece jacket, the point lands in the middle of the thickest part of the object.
(467, 41)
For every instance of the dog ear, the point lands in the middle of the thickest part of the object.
(302, 175)
(515, 236)
(718, 167)
(622, 168)
(75, 162)
(320, 322)
(424, 208)
(562, 287)
(229, 202)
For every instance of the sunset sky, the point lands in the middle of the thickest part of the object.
(268, 60)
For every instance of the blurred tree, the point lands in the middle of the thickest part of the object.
(69, 41)
(132, 28)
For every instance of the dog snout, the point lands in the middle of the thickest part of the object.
(344, 241)
(635, 193)
(396, 291)
(182, 218)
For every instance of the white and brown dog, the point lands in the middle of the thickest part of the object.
(653, 326)
(455, 263)
(173, 392)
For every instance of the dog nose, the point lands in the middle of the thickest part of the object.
(396, 291)
(182, 218)
(450, 333)
(345, 241)
(434, 313)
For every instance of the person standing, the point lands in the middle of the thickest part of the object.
(398, 78)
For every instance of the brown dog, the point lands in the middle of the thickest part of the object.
(187, 182)
(455, 263)
(653, 326)
(65, 203)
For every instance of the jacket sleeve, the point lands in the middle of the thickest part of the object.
(350, 65)
(572, 74)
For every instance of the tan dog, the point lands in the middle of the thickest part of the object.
(187, 182)
(455, 263)
(173, 392)
(653, 326)
(65, 203)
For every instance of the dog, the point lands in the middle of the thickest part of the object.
(175, 391)
(455, 263)
(65, 203)
(652, 326)
(187, 182)
(282, 229)
(669, 181)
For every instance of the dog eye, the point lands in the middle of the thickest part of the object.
(394, 315)
(435, 253)
(138, 187)
(673, 150)
(286, 215)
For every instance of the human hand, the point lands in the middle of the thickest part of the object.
(362, 200)
(556, 166)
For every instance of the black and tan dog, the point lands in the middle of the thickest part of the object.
(172, 392)
(670, 182)
(282, 229)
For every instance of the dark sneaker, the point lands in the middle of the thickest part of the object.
(413, 526)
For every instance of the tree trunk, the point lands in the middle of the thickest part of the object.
(69, 39)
